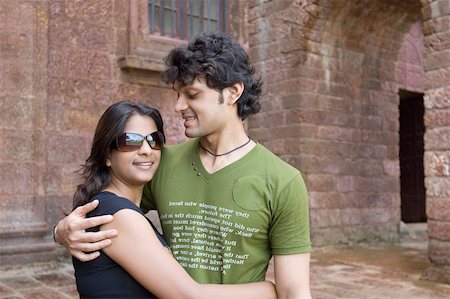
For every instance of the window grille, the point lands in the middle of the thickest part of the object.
(183, 19)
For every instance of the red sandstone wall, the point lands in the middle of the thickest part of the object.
(23, 145)
(58, 72)
(331, 107)
(86, 40)
(410, 66)
(330, 69)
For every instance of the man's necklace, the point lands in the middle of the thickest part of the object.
(218, 155)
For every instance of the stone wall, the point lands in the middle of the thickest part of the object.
(59, 70)
(332, 71)
(23, 123)
(331, 107)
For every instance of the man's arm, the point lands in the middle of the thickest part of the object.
(70, 232)
(292, 276)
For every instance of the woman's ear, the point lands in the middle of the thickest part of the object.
(108, 161)
(234, 92)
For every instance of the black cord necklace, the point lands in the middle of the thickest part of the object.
(218, 155)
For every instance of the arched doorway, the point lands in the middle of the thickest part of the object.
(410, 76)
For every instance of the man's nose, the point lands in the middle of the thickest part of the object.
(181, 104)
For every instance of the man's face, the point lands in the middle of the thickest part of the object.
(201, 107)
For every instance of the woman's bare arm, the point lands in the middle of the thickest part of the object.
(138, 250)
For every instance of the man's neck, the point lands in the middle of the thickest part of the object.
(232, 152)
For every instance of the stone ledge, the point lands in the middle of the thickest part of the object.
(438, 274)
(139, 63)
(32, 229)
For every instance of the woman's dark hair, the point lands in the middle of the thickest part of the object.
(111, 124)
(218, 58)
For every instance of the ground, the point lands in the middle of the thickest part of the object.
(389, 271)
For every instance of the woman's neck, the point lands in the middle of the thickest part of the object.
(132, 194)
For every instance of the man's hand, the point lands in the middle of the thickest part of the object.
(70, 232)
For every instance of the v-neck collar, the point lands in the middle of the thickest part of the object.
(197, 164)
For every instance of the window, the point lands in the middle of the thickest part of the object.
(182, 19)
(157, 26)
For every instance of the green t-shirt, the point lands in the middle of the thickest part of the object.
(224, 227)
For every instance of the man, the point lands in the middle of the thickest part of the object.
(226, 203)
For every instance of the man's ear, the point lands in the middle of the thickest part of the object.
(234, 93)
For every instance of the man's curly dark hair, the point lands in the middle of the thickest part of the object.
(218, 58)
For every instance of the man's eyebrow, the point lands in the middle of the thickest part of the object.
(188, 88)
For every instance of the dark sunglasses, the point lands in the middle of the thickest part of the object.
(128, 142)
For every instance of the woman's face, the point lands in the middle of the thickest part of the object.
(135, 168)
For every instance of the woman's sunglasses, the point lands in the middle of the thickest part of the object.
(128, 142)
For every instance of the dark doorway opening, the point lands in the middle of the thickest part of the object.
(412, 186)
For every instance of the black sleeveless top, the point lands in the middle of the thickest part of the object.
(102, 277)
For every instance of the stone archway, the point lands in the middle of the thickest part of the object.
(332, 109)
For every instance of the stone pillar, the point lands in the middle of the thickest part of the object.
(437, 136)
(24, 233)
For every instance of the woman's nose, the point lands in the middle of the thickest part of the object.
(145, 148)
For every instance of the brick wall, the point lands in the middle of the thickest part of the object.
(86, 41)
(58, 73)
(332, 71)
(437, 136)
(23, 113)
(331, 107)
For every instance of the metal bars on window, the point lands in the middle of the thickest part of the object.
(185, 18)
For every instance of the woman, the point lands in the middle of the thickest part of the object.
(125, 154)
